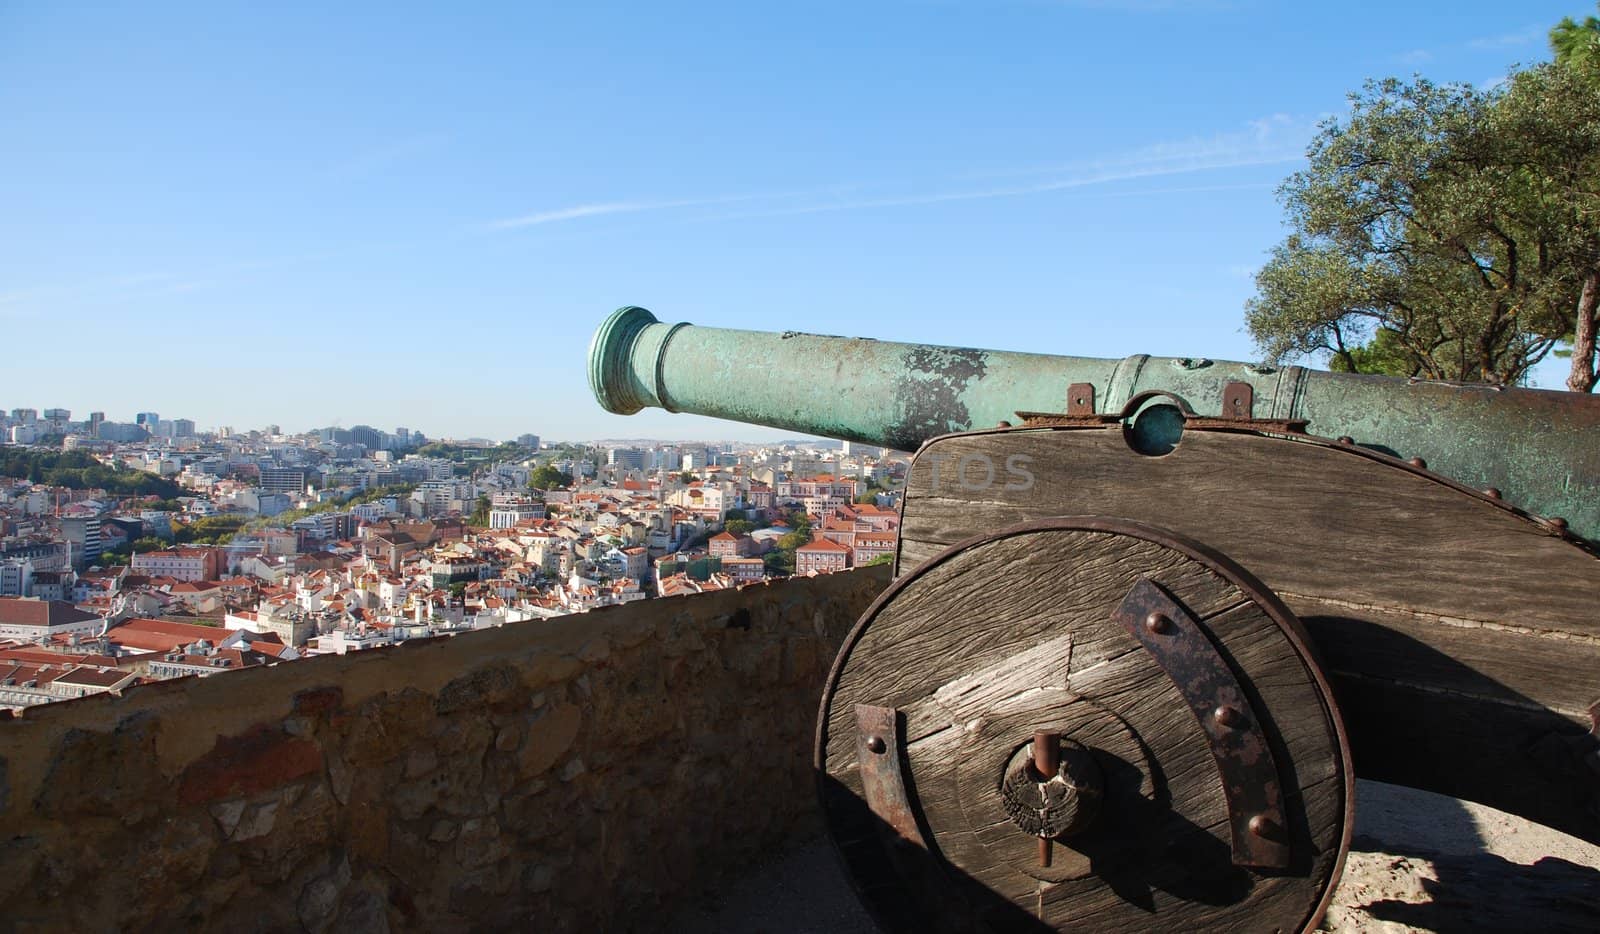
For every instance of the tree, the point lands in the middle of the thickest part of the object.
(547, 477)
(1432, 238)
(210, 530)
(480, 512)
(738, 526)
(1577, 44)
(1541, 103)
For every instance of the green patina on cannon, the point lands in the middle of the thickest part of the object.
(1139, 643)
(1541, 449)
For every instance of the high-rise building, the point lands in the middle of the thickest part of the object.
(57, 420)
(626, 458)
(96, 419)
(283, 479)
(367, 436)
(149, 421)
(83, 533)
(24, 416)
(529, 441)
(182, 428)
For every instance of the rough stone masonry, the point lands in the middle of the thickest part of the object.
(579, 774)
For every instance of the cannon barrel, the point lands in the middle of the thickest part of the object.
(1540, 448)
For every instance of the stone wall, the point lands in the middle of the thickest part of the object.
(577, 774)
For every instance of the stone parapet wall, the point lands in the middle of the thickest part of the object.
(577, 774)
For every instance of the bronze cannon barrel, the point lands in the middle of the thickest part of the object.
(1540, 448)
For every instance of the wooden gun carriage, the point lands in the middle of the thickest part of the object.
(1150, 617)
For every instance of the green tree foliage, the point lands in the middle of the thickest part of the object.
(779, 561)
(77, 470)
(1440, 231)
(738, 526)
(1577, 44)
(288, 516)
(880, 559)
(547, 477)
(147, 544)
(480, 512)
(211, 530)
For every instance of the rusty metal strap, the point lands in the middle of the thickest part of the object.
(1245, 765)
(878, 743)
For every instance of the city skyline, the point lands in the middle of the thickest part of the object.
(249, 209)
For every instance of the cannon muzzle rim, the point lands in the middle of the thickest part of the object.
(611, 356)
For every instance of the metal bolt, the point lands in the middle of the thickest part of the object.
(1492, 492)
(1346, 440)
(1557, 523)
(1047, 762)
(876, 745)
(1418, 462)
(1228, 716)
(1262, 826)
(1158, 623)
(1003, 424)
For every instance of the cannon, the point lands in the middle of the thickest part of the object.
(1149, 617)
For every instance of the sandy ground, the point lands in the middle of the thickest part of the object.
(1419, 862)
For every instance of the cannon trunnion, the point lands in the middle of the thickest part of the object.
(1133, 655)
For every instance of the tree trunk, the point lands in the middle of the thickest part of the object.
(1582, 378)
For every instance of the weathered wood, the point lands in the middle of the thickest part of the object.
(1015, 635)
(1467, 608)
(1299, 516)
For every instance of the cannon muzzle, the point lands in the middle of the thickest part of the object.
(1540, 448)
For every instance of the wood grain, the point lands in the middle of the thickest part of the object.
(1015, 634)
(1401, 580)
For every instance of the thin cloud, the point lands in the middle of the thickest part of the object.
(1271, 140)
(585, 210)
(1414, 57)
(1508, 40)
(631, 207)
(385, 155)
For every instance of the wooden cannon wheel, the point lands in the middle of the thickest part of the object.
(1089, 724)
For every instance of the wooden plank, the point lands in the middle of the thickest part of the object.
(1015, 635)
(982, 606)
(1403, 581)
(1303, 518)
(1512, 665)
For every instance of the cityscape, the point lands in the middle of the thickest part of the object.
(147, 550)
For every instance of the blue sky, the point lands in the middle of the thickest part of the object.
(398, 214)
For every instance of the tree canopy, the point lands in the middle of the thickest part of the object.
(77, 470)
(547, 477)
(1444, 231)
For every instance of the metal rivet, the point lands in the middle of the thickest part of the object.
(1078, 401)
(876, 745)
(1418, 463)
(1228, 716)
(1557, 523)
(1262, 826)
(1158, 623)
(1003, 425)
(1492, 492)
(1346, 440)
